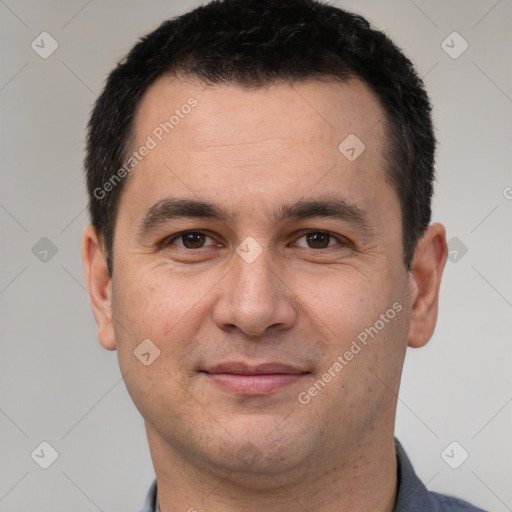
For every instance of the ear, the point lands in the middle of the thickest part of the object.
(99, 285)
(427, 269)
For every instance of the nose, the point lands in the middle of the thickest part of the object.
(254, 297)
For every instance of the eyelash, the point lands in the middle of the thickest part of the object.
(341, 240)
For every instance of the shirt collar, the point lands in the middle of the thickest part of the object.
(412, 495)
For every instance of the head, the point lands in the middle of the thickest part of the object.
(294, 145)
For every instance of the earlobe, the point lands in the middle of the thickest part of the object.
(99, 285)
(426, 273)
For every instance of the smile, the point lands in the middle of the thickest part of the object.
(254, 380)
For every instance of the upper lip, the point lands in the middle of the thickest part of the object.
(258, 369)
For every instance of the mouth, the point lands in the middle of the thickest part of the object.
(259, 379)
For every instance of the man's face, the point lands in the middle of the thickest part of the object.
(275, 282)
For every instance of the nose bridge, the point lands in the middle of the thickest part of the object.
(254, 298)
(255, 271)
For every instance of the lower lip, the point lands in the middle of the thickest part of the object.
(255, 384)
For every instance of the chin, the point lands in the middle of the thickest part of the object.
(257, 450)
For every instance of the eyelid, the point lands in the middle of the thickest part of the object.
(339, 238)
(172, 238)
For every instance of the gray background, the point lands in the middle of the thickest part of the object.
(57, 383)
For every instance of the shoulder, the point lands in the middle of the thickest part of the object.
(413, 496)
(150, 501)
(451, 504)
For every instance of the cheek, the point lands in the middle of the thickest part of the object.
(166, 312)
(159, 306)
(364, 320)
(343, 301)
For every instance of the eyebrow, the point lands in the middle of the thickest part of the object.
(170, 209)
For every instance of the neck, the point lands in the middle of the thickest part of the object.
(356, 479)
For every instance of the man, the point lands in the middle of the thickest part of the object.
(260, 255)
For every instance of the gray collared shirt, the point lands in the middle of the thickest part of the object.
(413, 496)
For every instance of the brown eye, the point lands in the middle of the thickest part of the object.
(193, 240)
(188, 239)
(318, 240)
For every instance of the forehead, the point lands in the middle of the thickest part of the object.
(228, 113)
(291, 138)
